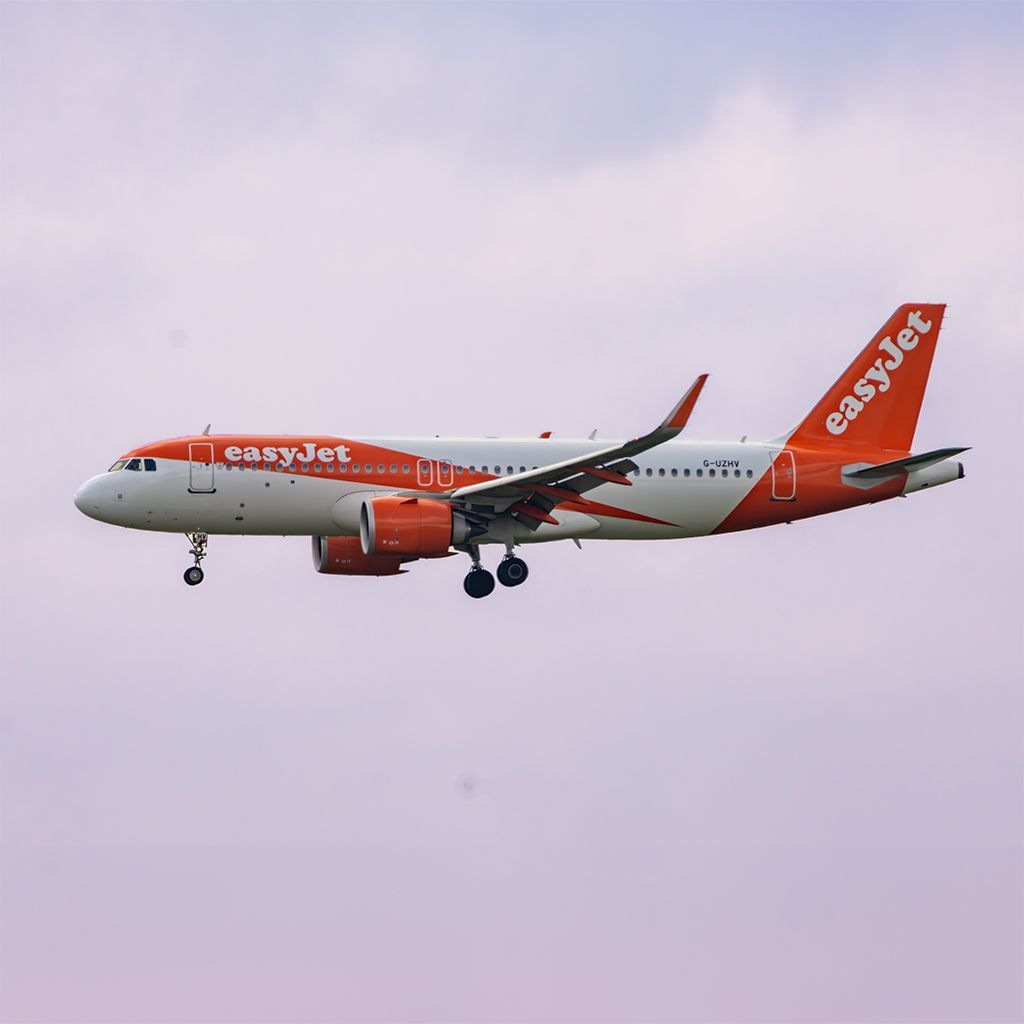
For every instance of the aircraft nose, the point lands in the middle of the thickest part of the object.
(87, 500)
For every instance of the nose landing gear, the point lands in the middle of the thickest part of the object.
(194, 574)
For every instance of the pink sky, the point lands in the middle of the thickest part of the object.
(773, 776)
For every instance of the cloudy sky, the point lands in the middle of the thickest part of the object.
(772, 776)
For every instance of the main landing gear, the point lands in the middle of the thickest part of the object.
(194, 574)
(479, 582)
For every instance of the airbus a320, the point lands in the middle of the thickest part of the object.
(374, 505)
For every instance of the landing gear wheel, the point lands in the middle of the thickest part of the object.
(478, 583)
(512, 571)
(193, 575)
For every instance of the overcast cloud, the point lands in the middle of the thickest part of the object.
(772, 776)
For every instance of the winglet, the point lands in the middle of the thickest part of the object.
(678, 417)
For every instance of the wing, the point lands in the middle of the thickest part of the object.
(531, 496)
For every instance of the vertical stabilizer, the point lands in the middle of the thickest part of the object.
(876, 402)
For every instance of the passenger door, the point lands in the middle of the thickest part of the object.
(200, 467)
(783, 476)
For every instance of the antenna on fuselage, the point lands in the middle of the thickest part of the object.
(206, 432)
(592, 434)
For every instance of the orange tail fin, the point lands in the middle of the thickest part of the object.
(876, 402)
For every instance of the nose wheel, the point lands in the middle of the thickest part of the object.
(193, 575)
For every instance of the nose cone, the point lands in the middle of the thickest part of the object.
(87, 499)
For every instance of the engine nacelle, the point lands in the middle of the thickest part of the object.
(410, 527)
(343, 556)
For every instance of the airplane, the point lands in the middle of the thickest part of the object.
(373, 505)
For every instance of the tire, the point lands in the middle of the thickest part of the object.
(512, 572)
(478, 583)
(193, 575)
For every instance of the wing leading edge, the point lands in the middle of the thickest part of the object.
(536, 492)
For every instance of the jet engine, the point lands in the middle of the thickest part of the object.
(343, 556)
(411, 527)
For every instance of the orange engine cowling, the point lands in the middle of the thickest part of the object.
(410, 527)
(343, 556)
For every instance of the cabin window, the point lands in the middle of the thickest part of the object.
(686, 472)
(736, 474)
(317, 467)
(675, 472)
(380, 469)
(661, 472)
(330, 467)
(522, 469)
(711, 472)
(700, 472)
(342, 468)
(750, 473)
(305, 467)
(484, 469)
(650, 472)
(150, 465)
(394, 469)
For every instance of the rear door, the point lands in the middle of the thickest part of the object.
(200, 467)
(783, 476)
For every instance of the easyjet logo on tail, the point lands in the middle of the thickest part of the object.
(877, 378)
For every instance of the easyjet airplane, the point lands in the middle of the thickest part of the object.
(372, 505)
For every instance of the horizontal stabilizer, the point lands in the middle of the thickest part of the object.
(904, 465)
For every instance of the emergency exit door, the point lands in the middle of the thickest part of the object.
(200, 467)
(783, 476)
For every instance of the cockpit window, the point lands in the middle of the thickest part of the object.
(150, 465)
(135, 464)
(116, 466)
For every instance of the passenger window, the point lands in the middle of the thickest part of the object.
(636, 472)
(483, 469)
(316, 467)
(750, 473)
(686, 472)
(711, 472)
(150, 465)
(661, 472)
(675, 472)
(522, 469)
(405, 469)
(472, 469)
(342, 468)
(700, 472)
(380, 469)
(736, 474)
(459, 469)
(305, 467)
(650, 472)
(330, 467)
(394, 469)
